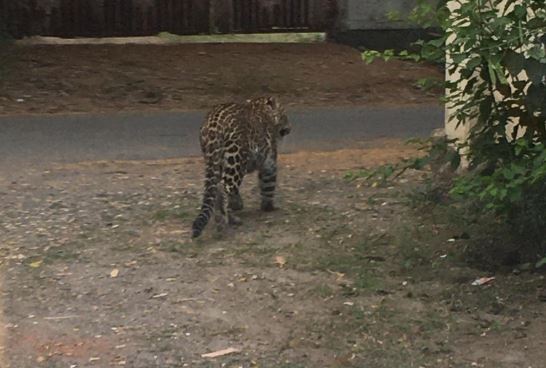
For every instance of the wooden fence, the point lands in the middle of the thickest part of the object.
(106, 18)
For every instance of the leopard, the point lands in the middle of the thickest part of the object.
(237, 139)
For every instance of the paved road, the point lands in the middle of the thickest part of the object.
(40, 140)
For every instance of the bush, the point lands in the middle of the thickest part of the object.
(493, 43)
(508, 171)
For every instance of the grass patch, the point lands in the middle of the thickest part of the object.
(255, 255)
(483, 240)
(415, 248)
(322, 290)
(66, 253)
(171, 213)
(365, 280)
(377, 177)
(179, 247)
(62, 254)
(356, 262)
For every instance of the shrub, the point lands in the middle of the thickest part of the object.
(498, 47)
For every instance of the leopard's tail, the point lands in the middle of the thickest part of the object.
(213, 175)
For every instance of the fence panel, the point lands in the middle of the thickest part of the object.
(107, 18)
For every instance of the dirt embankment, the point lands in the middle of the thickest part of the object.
(58, 79)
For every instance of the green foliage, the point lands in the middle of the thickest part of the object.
(437, 150)
(424, 13)
(427, 84)
(508, 171)
(369, 56)
(429, 17)
(379, 176)
(497, 50)
(506, 187)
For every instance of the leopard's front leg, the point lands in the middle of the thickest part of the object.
(236, 202)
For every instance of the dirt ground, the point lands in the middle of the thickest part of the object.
(98, 271)
(58, 79)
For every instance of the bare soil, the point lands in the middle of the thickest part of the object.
(98, 271)
(102, 78)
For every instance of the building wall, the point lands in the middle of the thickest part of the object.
(461, 132)
(366, 24)
(368, 15)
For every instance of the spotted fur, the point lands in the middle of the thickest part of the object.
(237, 139)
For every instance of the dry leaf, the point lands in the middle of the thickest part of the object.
(220, 353)
(36, 264)
(339, 275)
(483, 281)
(280, 261)
(162, 295)
(114, 273)
(56, 318)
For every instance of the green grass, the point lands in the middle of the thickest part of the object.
(365, 280)
(322, 290)
(414, 251)
(62, 254)
(66, 253)
(380, 176)
(355, 261)
(179, 247)
(171, 213)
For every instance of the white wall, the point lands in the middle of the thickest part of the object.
(459, 132)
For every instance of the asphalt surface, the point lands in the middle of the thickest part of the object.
(41, 140)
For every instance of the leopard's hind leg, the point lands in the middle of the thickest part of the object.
(236, 202)
(231, 189)
(220, 209)
(268, 180)
(223, 215)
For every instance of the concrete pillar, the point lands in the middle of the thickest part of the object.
(461, 132)
(458, 132)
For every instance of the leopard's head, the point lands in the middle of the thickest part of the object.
(278, 114)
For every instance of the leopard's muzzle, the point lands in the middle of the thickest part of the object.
(284, 131)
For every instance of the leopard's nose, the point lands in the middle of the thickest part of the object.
(285, 131)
